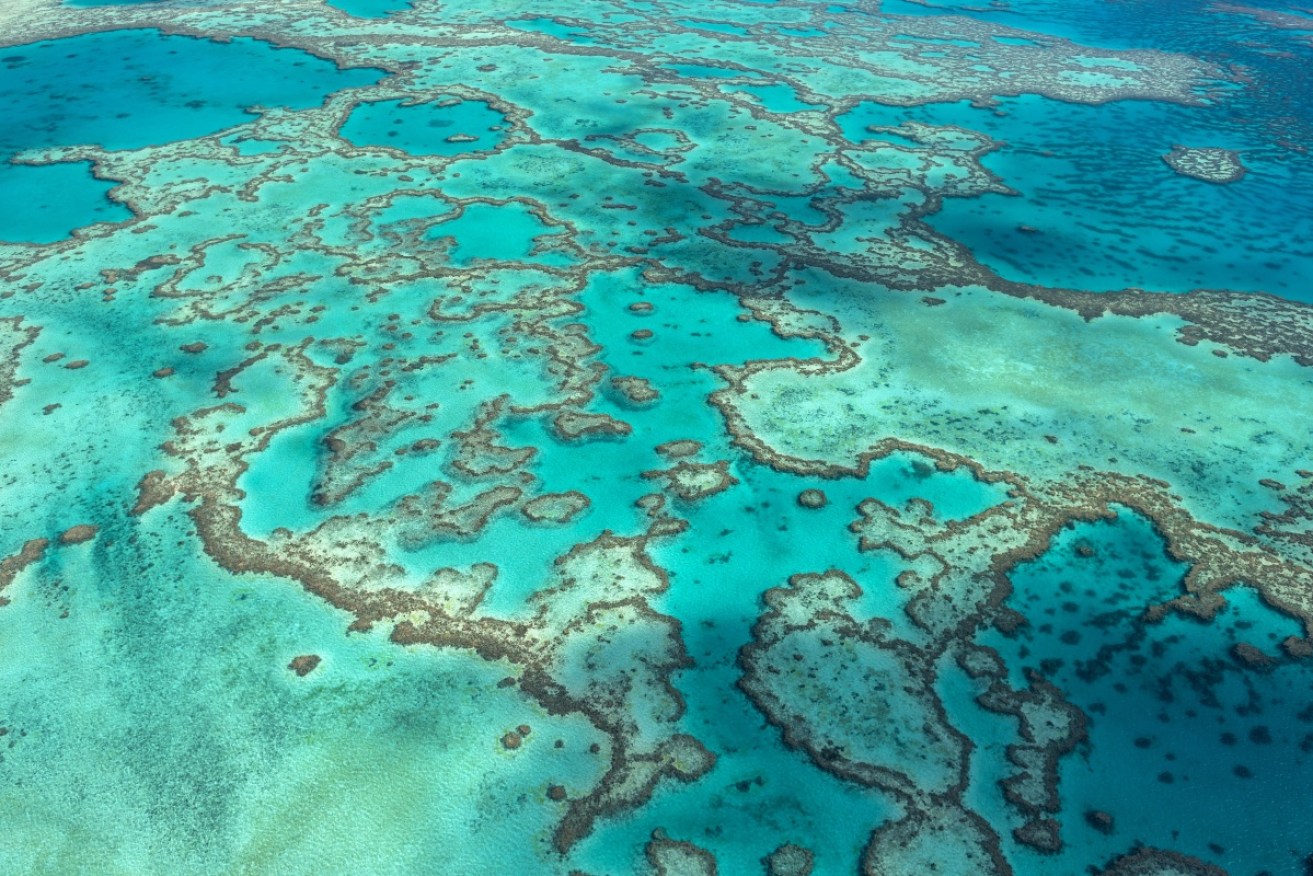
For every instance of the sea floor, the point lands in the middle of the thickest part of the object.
(656, 437)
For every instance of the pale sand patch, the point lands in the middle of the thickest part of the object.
(15, 13)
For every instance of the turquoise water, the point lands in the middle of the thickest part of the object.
(649, 438)
(425, 129)
(776, 98)
(499, 233)
(551, 27)
(1110, 214)
(137, 94)
(370, 8)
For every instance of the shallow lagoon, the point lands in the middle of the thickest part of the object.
(444, 126)
(145, 88)
(371, 8)
(644, 476)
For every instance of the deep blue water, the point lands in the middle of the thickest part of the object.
(1181, 736)
(1099, 210)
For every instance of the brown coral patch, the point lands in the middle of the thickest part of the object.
(813, 498)
(789, 860)
(555, 507)
(636, 390)
(304, 664)
(78, 534)
(670, 857)
(1157, 862)
(572, 425)
(692, 481)
(679, 449)
(31, 551)
(1220, 166)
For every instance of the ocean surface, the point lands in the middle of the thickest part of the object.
(652, 437)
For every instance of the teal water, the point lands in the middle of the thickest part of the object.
(170, 716)
(499, 233)
(108, 2)
(552, 27)
(714, 26)
(1181, 737)
(137, 94)
(776, 98)
(425, 129)
(500, 437)
(1110, 214)
(1136, 225)
(370, 8)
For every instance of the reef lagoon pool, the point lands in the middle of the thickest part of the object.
(448, 438)
(125, 90)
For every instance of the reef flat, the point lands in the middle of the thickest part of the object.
(652, 437)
